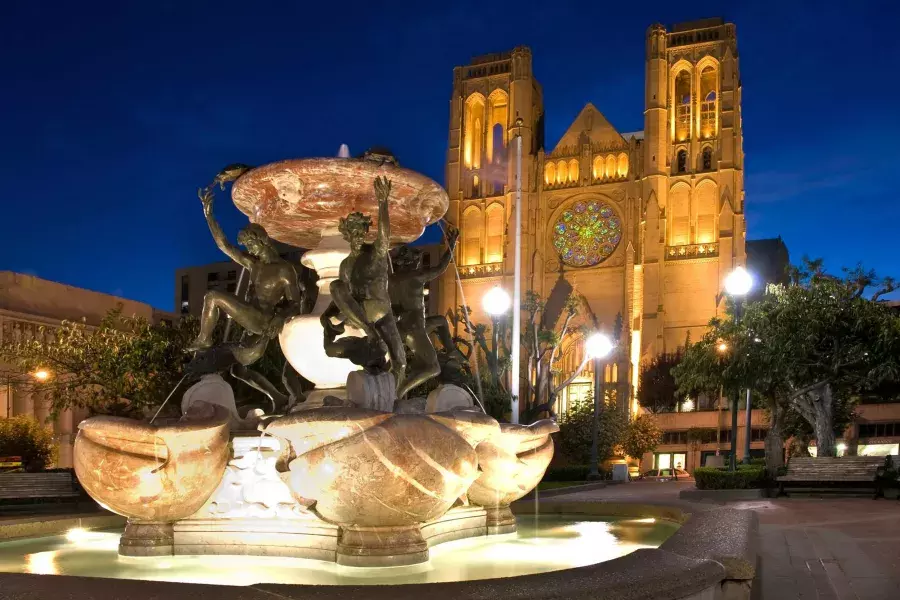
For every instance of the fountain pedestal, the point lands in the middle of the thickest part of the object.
(146, 538)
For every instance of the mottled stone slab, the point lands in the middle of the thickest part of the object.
(375, 392)
(447, 397)
(296, 200)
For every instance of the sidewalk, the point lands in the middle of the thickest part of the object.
(810, 548)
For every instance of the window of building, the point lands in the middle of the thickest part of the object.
(550, 173)
(185, 307)
(185, 288)
(874, 430)
(212, 277)
(681, 161)
(683, 106)
(232, 275)
(708, 87)
(426, 260)
(707, 159)
(473, 141)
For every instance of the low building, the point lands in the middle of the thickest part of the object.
(32, 307)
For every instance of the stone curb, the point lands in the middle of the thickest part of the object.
(597, 485)
(39, 526)
(722, 495)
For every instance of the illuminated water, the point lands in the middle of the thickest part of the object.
(546, 543)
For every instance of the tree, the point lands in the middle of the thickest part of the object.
(807, 347)
(126, 366)
(24, 437)
(642, 435)
(658, 392)
(575, 430)
(543, 344)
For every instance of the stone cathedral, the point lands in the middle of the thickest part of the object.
(643, 224)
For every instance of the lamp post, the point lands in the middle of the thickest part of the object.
(737, 284)
(496, 303)
(597, 346)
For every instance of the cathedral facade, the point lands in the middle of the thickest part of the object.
(643, 225)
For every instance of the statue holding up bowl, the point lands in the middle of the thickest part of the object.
(360, 293)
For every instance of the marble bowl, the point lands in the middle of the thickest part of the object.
(367, 468)
(153, 473)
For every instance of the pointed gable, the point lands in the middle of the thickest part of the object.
(590, 126)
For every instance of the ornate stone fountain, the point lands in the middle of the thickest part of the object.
(341, 477)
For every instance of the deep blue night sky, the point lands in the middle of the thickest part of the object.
(111, 116)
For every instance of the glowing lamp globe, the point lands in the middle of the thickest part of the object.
(738, 282)
(598, 345)
(496, 301)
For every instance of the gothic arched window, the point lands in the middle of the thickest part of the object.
(708, 102)
(681, 162)
(550, 173)
(573, 170)
(683, 106)
(707, 159)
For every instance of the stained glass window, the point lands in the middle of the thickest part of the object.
(586, 233)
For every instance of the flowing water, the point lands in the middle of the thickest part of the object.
(548, 543)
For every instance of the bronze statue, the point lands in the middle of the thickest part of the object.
(407, 289)
(360, 294)
(276, 294)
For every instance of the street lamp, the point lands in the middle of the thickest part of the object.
(41, 375)
(496, 302)
(598, 347)
(737, 284)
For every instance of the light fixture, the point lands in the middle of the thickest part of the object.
(722, 347)
(41, 375)
(496, 301)
(738, 282)
(598, 345)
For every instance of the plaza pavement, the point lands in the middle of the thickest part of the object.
(810, 548)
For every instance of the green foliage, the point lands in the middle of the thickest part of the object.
(575, 431)
(746, 477)
(24, 436)
(658, 392)
(125, 366)
(641, 436)
(810, 348)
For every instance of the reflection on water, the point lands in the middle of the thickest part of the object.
(548, 543)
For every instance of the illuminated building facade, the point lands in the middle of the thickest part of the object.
(645, 225)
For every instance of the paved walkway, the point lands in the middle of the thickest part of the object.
(811, 548)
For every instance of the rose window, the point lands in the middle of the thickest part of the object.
(586, 233)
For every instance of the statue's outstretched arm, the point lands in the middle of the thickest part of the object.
(206, 197)
(438, 269)
(382, 193)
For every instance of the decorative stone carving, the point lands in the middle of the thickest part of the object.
(512, 462)
(153, 473)
(372, 391)
(251, 487)
(447, 397)
(213, 389)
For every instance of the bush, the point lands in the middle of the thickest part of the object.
(575, 431)
(746, 477)
(24, 436)
(570, 473)
(759, 462)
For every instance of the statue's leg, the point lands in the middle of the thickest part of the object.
(258, 382)
(424, 364)
(387, 328)
(354, 313)
(251, 348)
(438, 325)
(245, 315)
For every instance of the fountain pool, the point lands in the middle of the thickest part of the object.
(542, 544)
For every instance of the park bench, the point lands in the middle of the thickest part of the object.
(833, 473)
(33, 486)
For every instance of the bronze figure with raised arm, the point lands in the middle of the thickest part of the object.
(276, 293)
(407, 288)
(360, 293)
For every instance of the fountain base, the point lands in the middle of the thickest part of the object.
(499, 520)
(146, 538)
(381, 546)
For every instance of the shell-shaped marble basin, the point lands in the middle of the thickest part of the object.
(512, 462)
(295, 200)
(370, 468)
(153, 473)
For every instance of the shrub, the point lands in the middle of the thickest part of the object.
(570, 473)
(759, 462)
(575, 431)
(24, 436)
(746, 477)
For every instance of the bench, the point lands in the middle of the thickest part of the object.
(833, 473)
(31, 486)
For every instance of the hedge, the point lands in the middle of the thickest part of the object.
(746, 477)
(571, 473)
